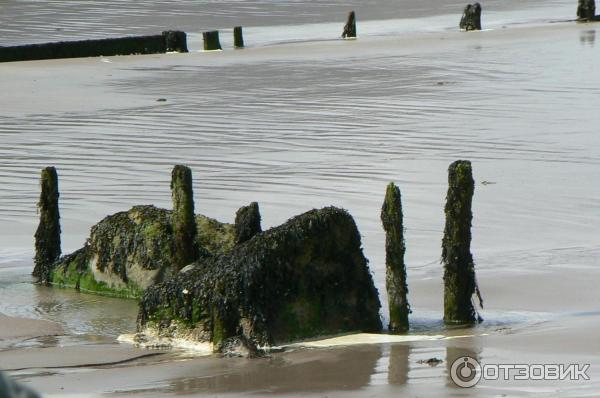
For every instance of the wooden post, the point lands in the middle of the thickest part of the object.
(459, 269)
(247, 222)
(238, 37)
(395, 269)
(350, 27)
(586, 10)
(47, 235)
(211, 40)
(175, 41)
(184, 221)
(471, 18)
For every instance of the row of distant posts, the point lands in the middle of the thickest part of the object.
(471, 20)
(212, 42)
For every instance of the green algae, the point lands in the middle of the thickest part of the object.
(74, 273)
(129, 251)
(305, 278)
(459, 269)
(214, 237)
(396, 286)
(47, 235)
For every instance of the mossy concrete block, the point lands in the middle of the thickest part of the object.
(305, 278)
(129, 251)
(47, 235)
(471, 18)
(396, 286)
(459, 269)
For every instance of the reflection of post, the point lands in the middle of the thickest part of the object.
(456, 353)
(398, 368)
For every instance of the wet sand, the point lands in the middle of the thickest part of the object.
(512, 100)
(12, 328)
(522, 326)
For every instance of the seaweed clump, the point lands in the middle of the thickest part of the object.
(305, 278)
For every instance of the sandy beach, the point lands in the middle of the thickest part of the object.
(300, 125)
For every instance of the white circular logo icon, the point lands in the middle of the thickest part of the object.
(465, 372)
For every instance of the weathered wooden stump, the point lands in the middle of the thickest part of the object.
(238, 37)
(47, 235)
(175, 41)
(211, 40)
(471, 18)
(586, 10)
(397, 289)
(184, 223)
(247, 222)
(459, 270)
(350, 27)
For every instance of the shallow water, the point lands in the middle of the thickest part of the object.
(306, 125)
(27, 21)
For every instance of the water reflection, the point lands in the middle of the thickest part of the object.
(399, 364)
(588, 37)
(303, 371)
(470, 349)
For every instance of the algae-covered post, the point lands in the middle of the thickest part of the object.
(247, 222)
(175, 41)
(47, 235)
(459, 270)
(211, 40)
(586, 10)
(350, 27)
(184, 223)
(471, 18)
(238, 37)
(395, 281)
